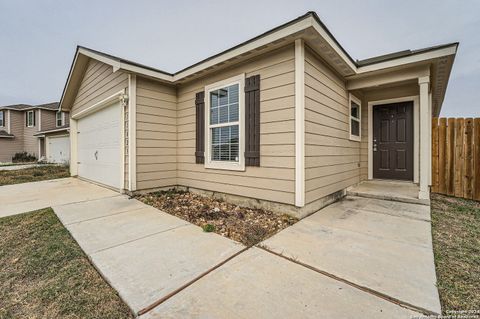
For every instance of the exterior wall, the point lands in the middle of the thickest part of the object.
(98, 83)
(30, 142)
(274, 180)
(49, 120)
(332, 160)
(156, 136)
(378, 95)
(8, 147)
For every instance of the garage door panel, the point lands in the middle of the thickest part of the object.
(58, 149)
(99, 146)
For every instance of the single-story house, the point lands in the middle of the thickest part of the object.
(287, 120)
(39, 130)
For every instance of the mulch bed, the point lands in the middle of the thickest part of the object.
(246, 225)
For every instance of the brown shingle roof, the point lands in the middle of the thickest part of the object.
(22, 107)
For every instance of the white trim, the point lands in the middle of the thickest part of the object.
(28, 117)
(98, 106)
(299, 123)
(39, 120)
(353, 98)
(122, 144)
(117, 65)
(425, 139)
(73, 147)
(132, 130)
(416, 132)
(40, 147)
(236, 166)
(9, 121)
(62, 119)
(451, 50)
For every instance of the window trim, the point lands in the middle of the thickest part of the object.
(33, 118)
(353, 98)
(209, 163)
(62, 119)
(2, 123)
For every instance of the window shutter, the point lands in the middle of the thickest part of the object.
(200, 128)
(34, 118)
(26, 119)
(252, 121)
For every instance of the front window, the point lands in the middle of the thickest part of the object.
(224, 113)
(60, 119)
(355, 118)
(2, 118)
(30, 118)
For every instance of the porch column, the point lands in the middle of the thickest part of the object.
(425, 131)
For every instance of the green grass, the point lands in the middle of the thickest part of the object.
(45, 274)
(33, 174)
(456, 243)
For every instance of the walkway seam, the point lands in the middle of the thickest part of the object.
(139, 238)
(375, 293)
(191, 282)
(105, 216)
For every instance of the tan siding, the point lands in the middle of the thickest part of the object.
(331, 158)
(30, 142)
(275, 179)
(98, 83)
(8, 147)
(156, 135)
(48, 120)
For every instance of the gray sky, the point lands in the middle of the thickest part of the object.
(38, 38)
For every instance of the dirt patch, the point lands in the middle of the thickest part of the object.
(45, 274)
(34, 174)
(246, 225)
(456, 243)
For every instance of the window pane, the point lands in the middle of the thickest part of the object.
(225, 143)
(222, 97)
(214, 115)
(354, 110)
(233, 112)
(214, 98)
(355, 127)
(233, 94)
(223, 114)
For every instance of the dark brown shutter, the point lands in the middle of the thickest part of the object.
(200, 128)
(252, 121)
(34, 119)
(26, 119)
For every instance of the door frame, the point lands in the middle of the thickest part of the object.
(416, 130)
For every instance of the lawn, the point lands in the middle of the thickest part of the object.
(456, 241)
(33, 174)
(45, 274)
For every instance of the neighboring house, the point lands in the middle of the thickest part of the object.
(39, 130)
(287, 118)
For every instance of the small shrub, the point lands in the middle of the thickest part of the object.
(208, 228)
(23, 157)
(36, 174)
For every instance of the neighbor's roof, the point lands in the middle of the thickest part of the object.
(24, 107)
(55, 130)
(308, 27)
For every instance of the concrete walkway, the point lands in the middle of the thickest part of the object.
(144, 253)
(358, 258)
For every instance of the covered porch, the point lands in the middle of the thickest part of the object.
(398, 103)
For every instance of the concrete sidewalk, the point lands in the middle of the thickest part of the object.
(381, 245)
(144, 253)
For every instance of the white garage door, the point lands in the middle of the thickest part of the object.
(58, 149)
(99, 146)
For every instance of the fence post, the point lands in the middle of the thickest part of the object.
(451, 157)
(435, 155)
(467, 183)
(459, 160)
(442, 155)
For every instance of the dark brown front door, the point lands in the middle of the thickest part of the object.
(393, 141)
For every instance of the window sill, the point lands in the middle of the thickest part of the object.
(225, 166)
(355, 138)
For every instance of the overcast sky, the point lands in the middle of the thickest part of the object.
(38, 37)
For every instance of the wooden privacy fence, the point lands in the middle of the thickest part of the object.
(456, 157)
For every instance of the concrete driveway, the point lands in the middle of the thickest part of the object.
(22, 198)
